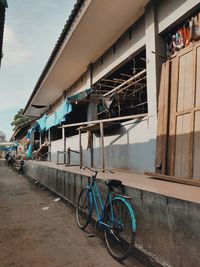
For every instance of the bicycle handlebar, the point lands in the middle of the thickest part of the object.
(95, 171)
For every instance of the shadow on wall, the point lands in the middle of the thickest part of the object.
(127, 146)
(180, 153)
(139, 157)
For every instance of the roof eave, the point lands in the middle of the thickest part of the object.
(56, 49)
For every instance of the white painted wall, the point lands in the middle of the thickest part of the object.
(56, 146)
(124, 48)
(79, 86)
(133, 146)
(170, 11)
(130, 147)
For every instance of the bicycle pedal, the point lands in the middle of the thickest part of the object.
(91, 235)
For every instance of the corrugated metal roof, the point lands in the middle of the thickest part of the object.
(56, 49)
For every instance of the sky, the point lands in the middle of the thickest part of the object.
(32, 28)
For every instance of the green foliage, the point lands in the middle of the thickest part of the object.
(19, 119)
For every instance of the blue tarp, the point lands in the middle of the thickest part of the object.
(35, 127)
(62, 111)
(42, 122)
(29, 151)
(28, 135)
(46, 122)
(7, 148)
(50, 122)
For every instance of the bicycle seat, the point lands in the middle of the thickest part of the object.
(114, 183)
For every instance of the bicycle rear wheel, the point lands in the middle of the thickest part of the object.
(84, 208)
(119, 235)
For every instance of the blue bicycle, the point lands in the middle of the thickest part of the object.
(116, 216)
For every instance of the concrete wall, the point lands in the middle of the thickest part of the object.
(131, 147)
(128, 147)
(169, 12)
(124, 48)
(167, 229)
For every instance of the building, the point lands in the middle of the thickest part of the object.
(116, 52)
(121, 91)
(2, 137)
(3, 6)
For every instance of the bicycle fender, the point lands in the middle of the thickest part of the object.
(133, 219)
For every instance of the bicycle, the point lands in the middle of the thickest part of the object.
(117, 216)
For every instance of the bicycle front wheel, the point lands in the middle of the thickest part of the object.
(119, 235)
(84, 208)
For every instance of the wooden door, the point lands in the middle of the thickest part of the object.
(182, 113)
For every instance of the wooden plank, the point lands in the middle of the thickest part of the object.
(186, 81)
(196, 157)
(181, 84)
(175, 179)
(182, 151)
(80, 149)
(189, 80)
(193, 101)
(178, 146)
(64, 144)
(124, 118)
(186, 145)
(126, 82)
(197, 102)
(159, 143)
(163, 116)
(173, 105)
(102, 147)
(165, 119)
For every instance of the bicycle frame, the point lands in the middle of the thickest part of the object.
(114, 214)
(97, 199)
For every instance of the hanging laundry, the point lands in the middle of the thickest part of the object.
(177, 40)
(196, 27)
(188, 32)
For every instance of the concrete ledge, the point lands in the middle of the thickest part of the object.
(168, 229)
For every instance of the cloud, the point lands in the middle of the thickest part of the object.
(14, 50)
(10, 100)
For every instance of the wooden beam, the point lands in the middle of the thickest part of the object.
(137, 116)
(49, 137)
(80, 149)
(105, 85)
(102, 147)
(126, 82)
(64, 144)
(175, 179)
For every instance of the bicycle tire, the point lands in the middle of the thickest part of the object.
(119, 237)
(84, 213)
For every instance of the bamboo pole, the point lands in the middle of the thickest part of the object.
(64, 144)
(80, 149)
(102, 147)
(85, 123)
(127, 81)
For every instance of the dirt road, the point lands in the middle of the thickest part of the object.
(31, 236)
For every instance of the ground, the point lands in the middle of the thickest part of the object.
(31, 236)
